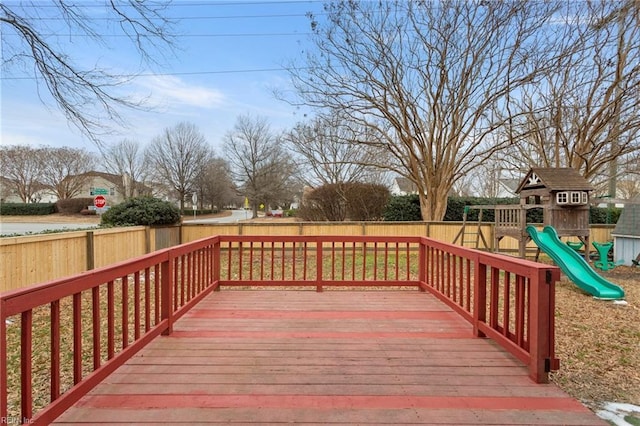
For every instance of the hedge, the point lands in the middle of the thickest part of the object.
(403, 208)
(73, 205)
(27, 209)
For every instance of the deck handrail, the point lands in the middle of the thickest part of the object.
(507, 299)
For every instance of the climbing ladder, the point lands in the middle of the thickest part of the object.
(473, 236)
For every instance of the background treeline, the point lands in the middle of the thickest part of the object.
(407, 208)
(347, 202)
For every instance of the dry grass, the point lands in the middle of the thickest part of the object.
(598, 342)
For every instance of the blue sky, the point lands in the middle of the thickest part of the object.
(227, 63)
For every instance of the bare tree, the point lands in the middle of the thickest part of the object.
(214, 185)
(126, 159)
(87, 97)
(65, 171)
(629, 189)
(177, 157)
(22, 168)
(329, 151)
(427, 77)
(585, 112)
(258, 161)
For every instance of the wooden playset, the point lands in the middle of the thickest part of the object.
(562, 193)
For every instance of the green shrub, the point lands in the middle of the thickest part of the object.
(141, 211)
(73, 205)
(602, 215)
(403, 208)
(27, 209)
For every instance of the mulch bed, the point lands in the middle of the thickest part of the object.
(598, 342)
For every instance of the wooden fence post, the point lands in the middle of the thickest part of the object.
(147, 239)
(90, 251)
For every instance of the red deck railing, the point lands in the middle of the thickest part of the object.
(73, 332)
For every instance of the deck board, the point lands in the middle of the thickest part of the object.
(336, 357)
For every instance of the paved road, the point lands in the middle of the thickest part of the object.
(236, 215)
(34, 228)
(22, 228)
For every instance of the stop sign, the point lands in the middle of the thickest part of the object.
(99, 201)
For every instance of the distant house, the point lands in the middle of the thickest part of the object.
(8, 193)
(109, 185)
(163, 191)
(113, 187)
(507, 187)
(626, 235)
(402, 186)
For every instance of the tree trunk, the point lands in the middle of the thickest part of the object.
(433, 208)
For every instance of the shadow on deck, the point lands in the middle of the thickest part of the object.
(334, 357)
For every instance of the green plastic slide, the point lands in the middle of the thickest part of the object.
(573, 265)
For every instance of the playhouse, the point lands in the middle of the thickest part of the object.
(562, 193)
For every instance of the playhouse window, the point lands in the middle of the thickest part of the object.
(575, 198)
(562, 198)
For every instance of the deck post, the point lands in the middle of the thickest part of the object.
(541, 326)
(3, 364)
(26, 353)
(166, 290)
(479, 296)
(318, 265)
(216, 265)
(422, 269)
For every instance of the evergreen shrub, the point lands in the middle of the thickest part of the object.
(403, 208)
(27, 209)
(145, 211)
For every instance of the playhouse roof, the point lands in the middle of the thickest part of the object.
(554, 179)
(629, 221)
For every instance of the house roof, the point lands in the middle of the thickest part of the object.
(115, 179)
(629, 221)
(554, 179)
(509, 184)
(405, 185)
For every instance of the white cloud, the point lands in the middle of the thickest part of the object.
(172, 91)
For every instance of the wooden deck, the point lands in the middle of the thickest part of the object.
(336, 357)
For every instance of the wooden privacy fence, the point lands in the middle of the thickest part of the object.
(60, 339)
(32, 259)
